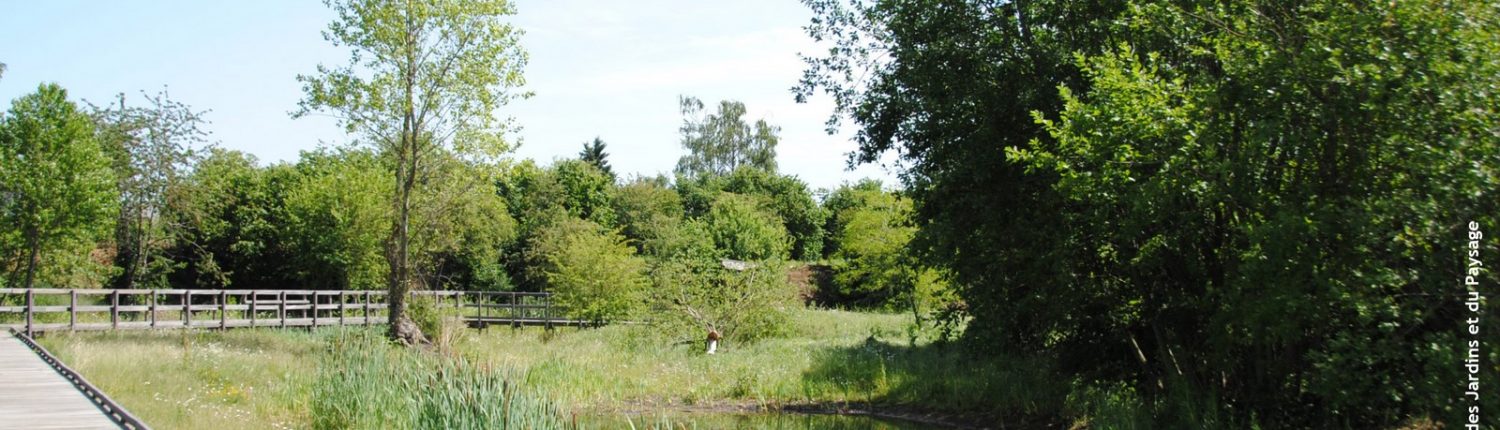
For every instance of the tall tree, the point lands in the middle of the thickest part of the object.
(152, 146)
(593, 153)
(425, 77)
(57, 191)
(1228, 201)
(719, 143)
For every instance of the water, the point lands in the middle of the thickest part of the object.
(747, 421)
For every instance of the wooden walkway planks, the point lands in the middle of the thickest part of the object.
(34, 396)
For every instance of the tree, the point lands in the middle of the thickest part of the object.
(152, 146)
(232, 217)
(593, 153)
(425, 77)
(645, 206)
(783, 195)
(57, 192)
(719, 143)
(743, 231)
(595, 274)
(1231, 202)
(336, 216)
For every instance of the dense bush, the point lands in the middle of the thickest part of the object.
(787, 197)
(646, 207)
(592, 272)
(1237, 203)
(742, 231)
(702, 295)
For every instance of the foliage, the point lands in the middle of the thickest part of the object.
(741, 230)
(723, 142)
(742, 306)
(424, 81)
(57, 192)
(230, 220)
(593, 153)
(647, 207)
(1240, 201)
(336, 218)
(593, 273)
(785, 196)
(569, 187)
(152, 147)
(461, 227)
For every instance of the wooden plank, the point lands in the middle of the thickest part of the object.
(33, 395)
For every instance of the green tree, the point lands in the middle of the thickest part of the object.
(57, 191)
(1221, 203)
(845, 197)
(594, 273)
(719, 143)
(593, 153)
(743, 231)
(232, 221)
(645, 206)
(464, 225)
(873, 236)
(783, 195)
(336, 217)
(152, 147)
(425, 77)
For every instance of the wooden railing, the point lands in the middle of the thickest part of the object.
(45, 309)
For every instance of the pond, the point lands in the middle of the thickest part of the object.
(739, 420)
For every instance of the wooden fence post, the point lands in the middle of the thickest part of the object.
(30, 302)
(72, 309)
(281, 307)
(315, 308)
(250, 301)
(547, 311)
(153, 308)
(114, 309)
(367, 307)
(187, 308)
(223, 309)
(341, 308)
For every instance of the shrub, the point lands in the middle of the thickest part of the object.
(742, 231)
(594, 274)
(742, 305)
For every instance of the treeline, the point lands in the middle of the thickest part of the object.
(1205, 214)
(133, 197)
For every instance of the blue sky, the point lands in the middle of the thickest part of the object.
(599, 68)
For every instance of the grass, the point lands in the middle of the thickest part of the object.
(250, 379)
(260, 378)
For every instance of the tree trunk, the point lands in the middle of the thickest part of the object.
(402, 329)
(31, 261)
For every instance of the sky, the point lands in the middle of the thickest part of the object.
(599, 68)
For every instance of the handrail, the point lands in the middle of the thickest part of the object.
(113, 410)
(229, 308)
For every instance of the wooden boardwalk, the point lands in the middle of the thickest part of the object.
(33, 395)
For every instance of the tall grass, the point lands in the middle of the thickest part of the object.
(364, 383)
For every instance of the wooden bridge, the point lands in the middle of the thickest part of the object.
(39, 392)
(40, 309)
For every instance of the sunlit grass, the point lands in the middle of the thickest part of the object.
(249, 379)
(330, 378)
